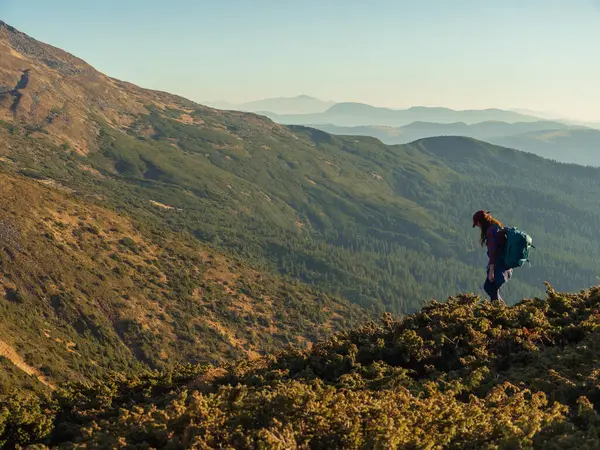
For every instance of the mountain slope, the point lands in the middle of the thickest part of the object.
(383, 226)
(457, 375)
(51, 92)
(358, 114)
(85, 290)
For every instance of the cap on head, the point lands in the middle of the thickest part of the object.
(478, 216)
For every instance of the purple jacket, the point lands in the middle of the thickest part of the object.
(495, 241)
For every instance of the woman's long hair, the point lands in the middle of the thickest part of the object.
(486, 222)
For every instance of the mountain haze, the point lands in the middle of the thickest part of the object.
(486, 131)
(579, 146)
(553, 140)
(301, 104)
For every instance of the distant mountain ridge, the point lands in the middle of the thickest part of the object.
(351, 114)
(579, 146)
(307, 110)
(549, 139)
(420, 129)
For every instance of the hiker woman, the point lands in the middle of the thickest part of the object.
(493, 236)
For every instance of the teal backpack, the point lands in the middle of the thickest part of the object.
(516, 250)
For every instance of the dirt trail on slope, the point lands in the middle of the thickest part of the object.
(8, 352)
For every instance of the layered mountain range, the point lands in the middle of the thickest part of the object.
(561, 140)
(553, 140)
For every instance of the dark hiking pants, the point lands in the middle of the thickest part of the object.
(501, 276)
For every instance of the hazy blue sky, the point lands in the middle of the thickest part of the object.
(538, 54)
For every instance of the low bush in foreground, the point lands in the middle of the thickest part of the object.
(459, 374)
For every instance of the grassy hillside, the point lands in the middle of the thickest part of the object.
(457, 375)
(383, 226)
(85, 291)
(378, 225)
